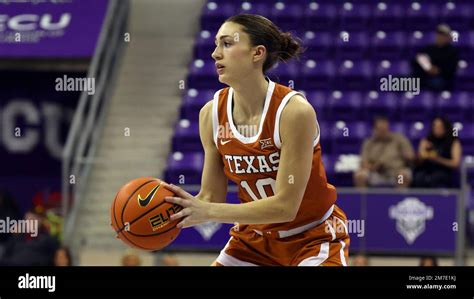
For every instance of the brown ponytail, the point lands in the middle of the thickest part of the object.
(281, 46)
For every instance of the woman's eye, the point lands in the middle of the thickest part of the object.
(226, 44)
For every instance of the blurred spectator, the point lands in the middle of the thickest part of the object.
(164, 259)
(439, 155)
(169, 260)
(360, 260)
(385, 158)
(23, 249)
(428, 261)
(8, 209)
(131, 259)
(436, 64)
(63, 257)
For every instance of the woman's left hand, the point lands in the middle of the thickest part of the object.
(194, 211)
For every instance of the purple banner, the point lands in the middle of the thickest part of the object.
(42, 28)
(390, 223)
(34, 123)
(411, 223)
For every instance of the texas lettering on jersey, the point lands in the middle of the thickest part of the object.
(240, 164)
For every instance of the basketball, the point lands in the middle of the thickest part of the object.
(140, 215)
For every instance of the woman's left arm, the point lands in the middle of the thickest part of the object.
(297, 130)
(456, 155)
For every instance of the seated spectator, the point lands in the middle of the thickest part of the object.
(24, 249)
(360, 260)
(164, 259)
(63, 257)
(8, 209)
(131, 259)
(436, 64)
(428, 261)
(439, 155)
(385, 158)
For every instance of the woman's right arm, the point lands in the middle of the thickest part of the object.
(213, 182)
(423, 149)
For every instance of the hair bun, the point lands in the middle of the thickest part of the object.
(290, 47)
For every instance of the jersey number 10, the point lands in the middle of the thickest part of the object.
(260, 187)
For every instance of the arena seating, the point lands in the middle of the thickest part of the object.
(350, 46)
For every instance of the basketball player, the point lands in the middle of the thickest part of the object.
(287, 214)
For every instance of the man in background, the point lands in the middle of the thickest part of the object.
(436, 64)
(385, 158)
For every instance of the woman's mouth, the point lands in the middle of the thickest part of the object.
(219, 68)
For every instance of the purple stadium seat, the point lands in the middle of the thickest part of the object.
(417, 107)
(348, 137)
(187, 166)
(380, 103)
(385, 68)
(320, 16)
(351, 45)
(354, 75)
(204, 45)
(193, 101)
(464, 41)
(456, 15)
(286, 15)
(286, 74)
(318, 100)
(466, 136)
(420, 16)
(335, 176)
(387, 16)
(318, 44)
(465, 80)
(456, 106)
(253, 7)
(318, 74)
(388, 45)
(418, 40)
(324, 129)
(186, 137)
(354, 16)
(417, 130)
(345, 105)
(214, 14)
(203, 75)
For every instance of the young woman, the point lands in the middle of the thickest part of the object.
(265, 138)
(440, 155)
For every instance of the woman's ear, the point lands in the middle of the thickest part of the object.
(259, 53)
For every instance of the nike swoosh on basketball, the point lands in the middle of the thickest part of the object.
(143, 202)
(224, 142)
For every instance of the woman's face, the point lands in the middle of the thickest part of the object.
(61, 259)
(234, 55)
(438, 128)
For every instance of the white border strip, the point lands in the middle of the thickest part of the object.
(317, 260)
(215, 116)
(276, 133)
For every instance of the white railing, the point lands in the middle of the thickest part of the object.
(88, 119)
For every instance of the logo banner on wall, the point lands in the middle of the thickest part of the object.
(34, 123)
(407, 223)
(49, 29)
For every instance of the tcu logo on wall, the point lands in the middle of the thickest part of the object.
(411, 215)
(31, 22)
